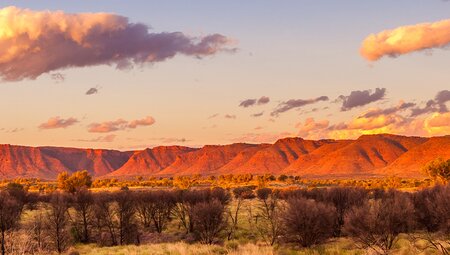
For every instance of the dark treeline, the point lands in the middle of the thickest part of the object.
(372, 218)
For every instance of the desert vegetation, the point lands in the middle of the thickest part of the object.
(279, 219)
(270, 219)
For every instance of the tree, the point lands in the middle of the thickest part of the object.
(438, 169)
(71, 183)
(125, 212)
(209, 220)
(57, 221)
(83, 203)
(343, 199)
(267, 219)
(104, 219)
(155, 207)
(240, 195)
(308, 222)
(10, 210)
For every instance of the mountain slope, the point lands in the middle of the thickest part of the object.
(150, 161)
(278, 156)
(206, 160)
(362, 156)
(410, 163)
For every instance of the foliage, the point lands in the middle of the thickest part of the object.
(439, 169)
(71, 183)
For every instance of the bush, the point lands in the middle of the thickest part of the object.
(377, 223)
(308, 222)
(438, 169)
(209, 220)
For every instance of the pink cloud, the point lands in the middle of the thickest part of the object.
(119, 124)
(57, 122)
(88, 39)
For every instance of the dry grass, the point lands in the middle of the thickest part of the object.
(178, 248)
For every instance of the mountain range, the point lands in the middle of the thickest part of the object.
(367, 156)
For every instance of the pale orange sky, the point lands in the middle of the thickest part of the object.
(327, 71)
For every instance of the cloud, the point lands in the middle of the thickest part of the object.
(258, 114)
(57, 122)
(361, 97)
(439, 120)
(37, 42)
(171, 140)
(406, 39)
(13, 130)
(247, 103)
(229, 116)
(251, 102)
(296, 103)
(92, 91)
(377, 111)
(147, 121)
(311, 128)
(263, 100)
(100, 139)
(58, 77)
(213, 116)
(438, 104)
(438, 124)
(260, 137)
(120, 124)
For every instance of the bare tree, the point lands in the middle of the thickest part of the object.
(377, 224)
(240, 195)
(104, 219)
(343, 199)
(82, 203)
(209, 220)
(125, 212)
(308, 222)
(57, 221)
(10, 211)
(267, 221)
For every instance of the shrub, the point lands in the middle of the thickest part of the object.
(377, 223)
(438, 169)
(209, 220)
(308, 222)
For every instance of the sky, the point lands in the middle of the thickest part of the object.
(136, 74)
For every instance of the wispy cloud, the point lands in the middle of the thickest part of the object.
(58, 122)
(296, 103)
(395, 109)
(100, 139)
(88, 39)
(119, 124)
(260, 137)
(229, 116)
(258, 114)
(361, 97)
(58, 77)
(406, 39)
(213, 116)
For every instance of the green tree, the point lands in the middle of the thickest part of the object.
(438, 169)
(74, 182)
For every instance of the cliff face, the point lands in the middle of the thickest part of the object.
(364, 157)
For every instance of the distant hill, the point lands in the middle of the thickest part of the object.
(369, 155)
